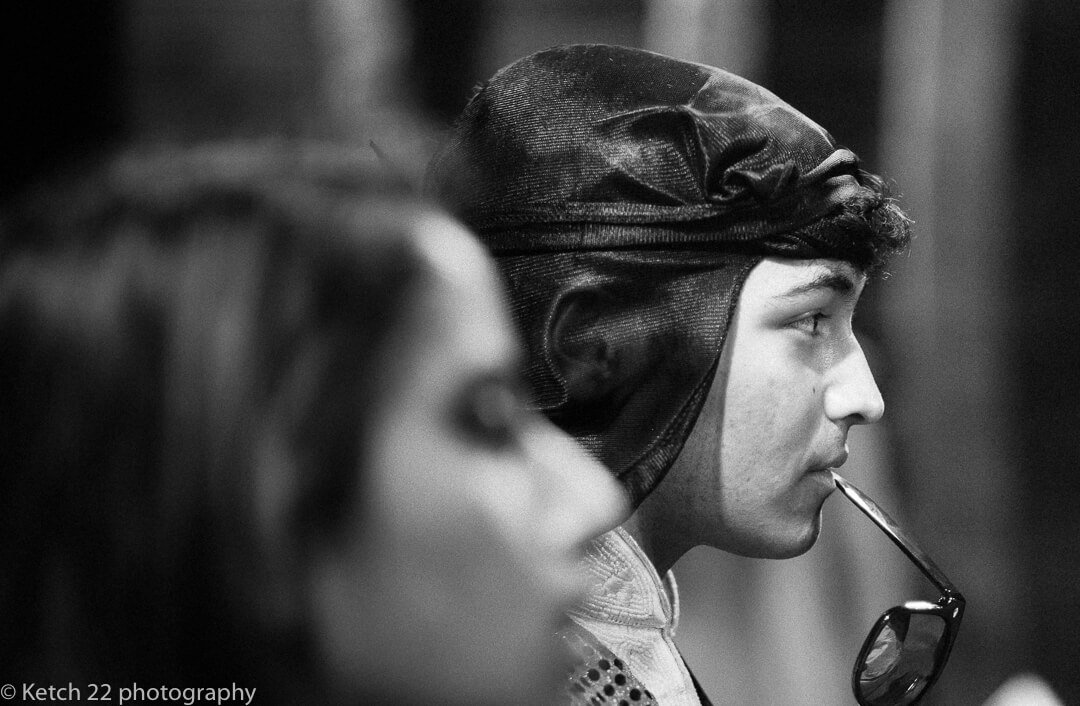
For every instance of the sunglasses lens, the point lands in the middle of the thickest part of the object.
(899, 658)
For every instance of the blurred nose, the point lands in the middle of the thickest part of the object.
(852, 395)
(584, 499)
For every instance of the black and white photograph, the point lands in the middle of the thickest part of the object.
(540, 352)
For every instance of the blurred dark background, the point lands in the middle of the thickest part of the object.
(970, 109)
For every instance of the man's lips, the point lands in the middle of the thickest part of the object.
(834, 461)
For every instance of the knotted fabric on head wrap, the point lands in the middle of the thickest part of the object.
(626, 196)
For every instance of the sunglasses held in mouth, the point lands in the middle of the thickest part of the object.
(908, 647)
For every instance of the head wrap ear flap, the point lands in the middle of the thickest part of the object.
(586, 360)
(622, 347)
(599, 364)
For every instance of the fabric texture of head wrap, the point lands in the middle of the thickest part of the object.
(645, 189)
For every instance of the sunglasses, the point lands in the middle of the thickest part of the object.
(908, 646)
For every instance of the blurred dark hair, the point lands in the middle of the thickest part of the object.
(191, 342)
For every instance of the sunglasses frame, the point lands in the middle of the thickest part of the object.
(949, 607)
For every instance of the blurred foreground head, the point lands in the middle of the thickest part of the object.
(259, 425)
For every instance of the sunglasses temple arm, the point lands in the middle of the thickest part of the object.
(897, 535)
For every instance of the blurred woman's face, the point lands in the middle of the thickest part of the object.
(466, 552)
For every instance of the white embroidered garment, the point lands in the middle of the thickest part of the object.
(634, 613)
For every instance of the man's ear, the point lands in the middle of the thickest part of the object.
(590, 347)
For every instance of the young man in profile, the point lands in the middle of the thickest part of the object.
(684, 252)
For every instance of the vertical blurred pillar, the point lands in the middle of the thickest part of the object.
(729, 34)
(946, 139)
(368, 96)
(366, 47)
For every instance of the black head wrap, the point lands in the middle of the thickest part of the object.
(643, 189)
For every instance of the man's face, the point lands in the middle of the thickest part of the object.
(791, 381)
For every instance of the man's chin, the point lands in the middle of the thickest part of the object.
(793, 550)
(780, 544)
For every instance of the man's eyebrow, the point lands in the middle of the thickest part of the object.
(839, 282)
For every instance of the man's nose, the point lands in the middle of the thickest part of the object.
(852, 395)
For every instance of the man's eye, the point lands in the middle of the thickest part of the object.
(490, 413)
(810, 323)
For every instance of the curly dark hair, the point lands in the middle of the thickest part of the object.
(868, 229)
